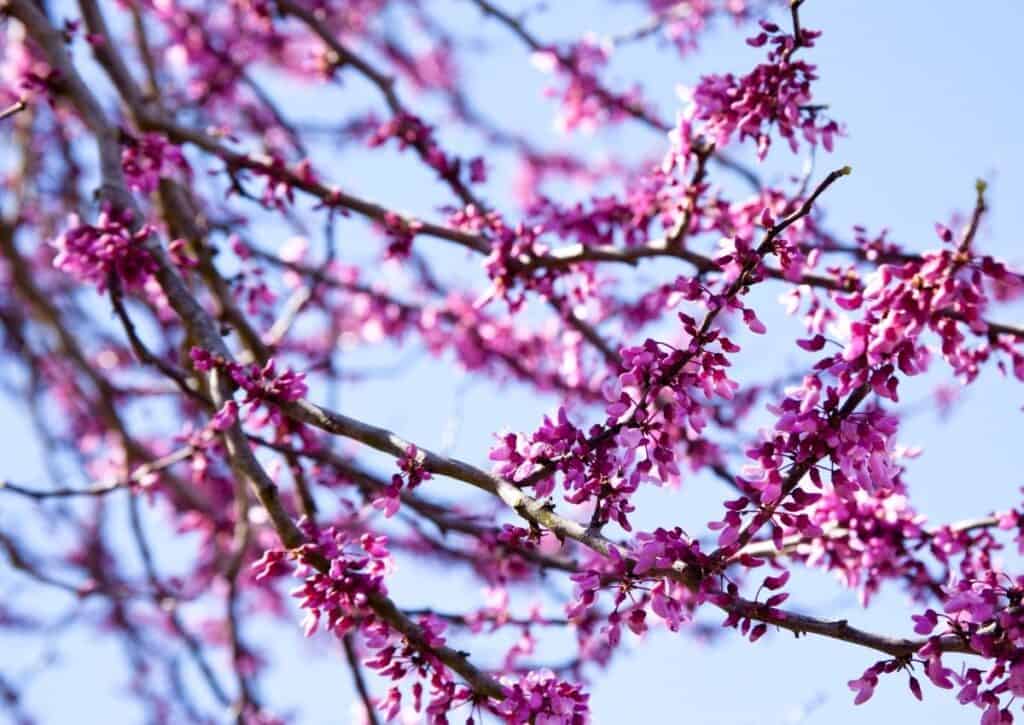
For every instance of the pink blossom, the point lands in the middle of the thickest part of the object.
(112, 247)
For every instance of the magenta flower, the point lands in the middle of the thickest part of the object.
(776, 94)
(112, 247)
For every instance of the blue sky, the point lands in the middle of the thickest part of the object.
(929, 94)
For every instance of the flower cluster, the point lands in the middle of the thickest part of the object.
(115, 245)
(260, 383)
(434, 69)
(150, 158)
(342, 573)
(685, 23)
(412, 475)
(585, 104)
(662, 573)
(540, 698)
(813, 425)
(356, 567)
(984, 615)
(605, 220)
(817, 419)
(505, 555)
(400, 234)
(866, 539)
(280, 180)
(411, 131)
(593, 471)
(943, 292)
(776, 94)
(653, 404)
(396, 658)
(741, 224)
(865, 685)
(508, 263)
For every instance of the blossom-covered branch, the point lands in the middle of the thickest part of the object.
(211, 334)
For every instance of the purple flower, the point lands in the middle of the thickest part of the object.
(91, 253)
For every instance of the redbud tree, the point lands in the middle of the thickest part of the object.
(222, 221)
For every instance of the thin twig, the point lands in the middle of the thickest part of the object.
(357, 678)
(16, 107)
(102, 489)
